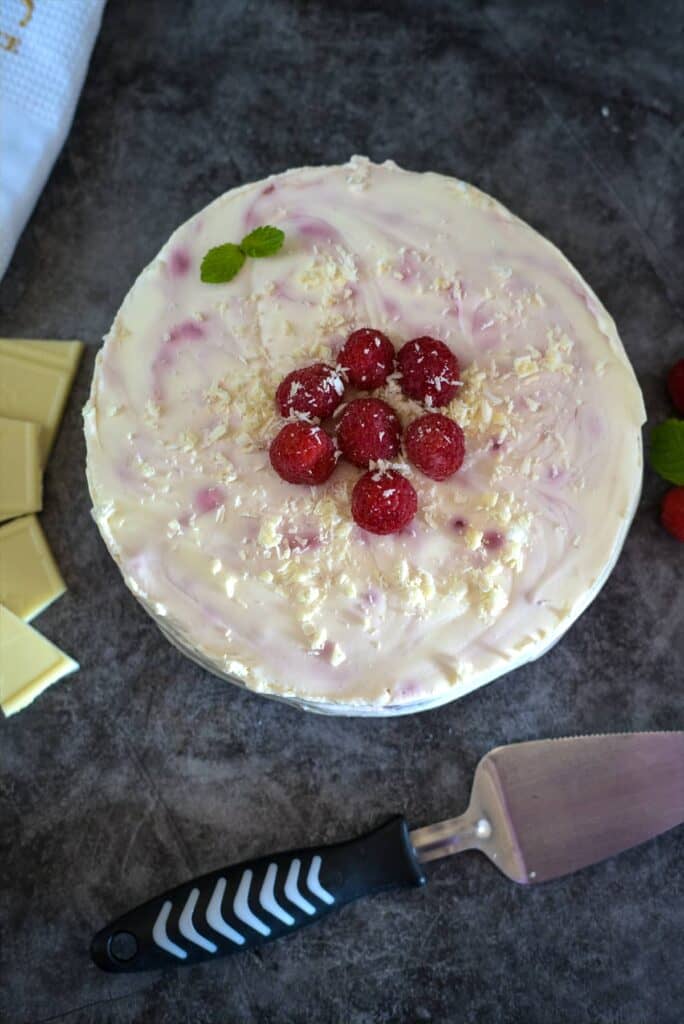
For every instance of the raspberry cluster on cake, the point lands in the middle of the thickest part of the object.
(231, 427)
(369, 432)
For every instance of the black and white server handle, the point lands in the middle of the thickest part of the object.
(246, 905)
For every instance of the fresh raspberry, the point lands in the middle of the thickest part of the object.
(315, 390)
(675, 385)
(383, 502)
(367, 359)
(672, 512)
(435, 445)
(302, 454)
(429, 371)
(369, 429)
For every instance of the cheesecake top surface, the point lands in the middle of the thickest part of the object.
(274, 584)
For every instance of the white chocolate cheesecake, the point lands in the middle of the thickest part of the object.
(273, 585)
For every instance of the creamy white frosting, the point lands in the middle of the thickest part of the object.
(274, 585)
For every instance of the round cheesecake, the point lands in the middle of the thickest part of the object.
(272, 584)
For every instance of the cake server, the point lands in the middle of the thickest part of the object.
(538, 810)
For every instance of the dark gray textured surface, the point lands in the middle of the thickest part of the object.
(142, 769)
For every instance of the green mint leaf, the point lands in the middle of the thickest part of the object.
(667, 450)
(222, 263)
(263, 241)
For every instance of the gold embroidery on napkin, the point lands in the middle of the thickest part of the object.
(8, 42)
(29, 13)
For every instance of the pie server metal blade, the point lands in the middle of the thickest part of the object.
(546, 808)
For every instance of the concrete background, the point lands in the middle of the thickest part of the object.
(142, 770)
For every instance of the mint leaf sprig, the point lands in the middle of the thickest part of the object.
(667, 450)
(263, 241)
(223, 262)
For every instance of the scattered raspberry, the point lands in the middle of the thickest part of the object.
(315, 390)
(675, 385)
(302, 454)
(672, 512)
(383, 502)
(429, 371)
(369, 429)
(435, 445)
(209, 498)
(493, 540)
(367, 359)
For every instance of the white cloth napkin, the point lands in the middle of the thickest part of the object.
(45, 46)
